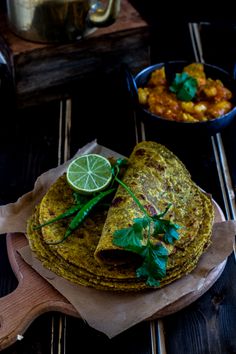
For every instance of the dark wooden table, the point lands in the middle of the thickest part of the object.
(100, 109)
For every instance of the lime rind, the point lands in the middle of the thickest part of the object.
(89, 173)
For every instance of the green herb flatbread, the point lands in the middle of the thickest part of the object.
(89, 257)
(158, 178)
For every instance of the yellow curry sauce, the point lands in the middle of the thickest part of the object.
(212, 99)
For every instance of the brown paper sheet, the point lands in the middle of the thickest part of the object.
(112, 313)
(13, 216)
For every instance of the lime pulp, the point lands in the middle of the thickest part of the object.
(89, 173)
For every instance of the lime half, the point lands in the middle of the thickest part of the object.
(89, 173)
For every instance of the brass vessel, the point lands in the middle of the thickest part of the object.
(49, 21)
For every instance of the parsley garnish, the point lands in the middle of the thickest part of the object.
(143, 238)
(184, 86)
(153, 267)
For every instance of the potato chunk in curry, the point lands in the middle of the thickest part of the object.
(212, 99)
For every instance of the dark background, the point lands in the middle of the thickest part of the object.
(28, 147)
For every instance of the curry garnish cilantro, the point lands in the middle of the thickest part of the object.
(188, 96)
(143, 237)
(184, 86)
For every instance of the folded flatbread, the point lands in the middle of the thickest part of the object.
(89, 257)
(157, 178)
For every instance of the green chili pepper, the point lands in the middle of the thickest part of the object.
(82, 213)
(66, 214)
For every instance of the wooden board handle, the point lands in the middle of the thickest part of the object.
(32, 297)
(35, 296)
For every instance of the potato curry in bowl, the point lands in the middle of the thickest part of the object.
(199, 93)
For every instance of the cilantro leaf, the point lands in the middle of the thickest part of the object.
(153, 268)
(137, 238)
(178, 81)
(171, 234)
(184, 86)
(155, 255)
(130, 238)
(166, 227)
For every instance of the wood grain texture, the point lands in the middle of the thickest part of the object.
(49, 72)
(32, 297)
(35, 296)
(206, 326)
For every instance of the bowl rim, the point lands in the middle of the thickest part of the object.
(210, 122)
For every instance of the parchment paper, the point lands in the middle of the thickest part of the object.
(108, 312)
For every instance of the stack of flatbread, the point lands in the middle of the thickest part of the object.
(89, 257)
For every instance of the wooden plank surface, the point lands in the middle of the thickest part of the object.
(34, 296)
(49, 72)
(208, 325)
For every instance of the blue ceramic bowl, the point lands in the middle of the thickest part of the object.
(210, 127)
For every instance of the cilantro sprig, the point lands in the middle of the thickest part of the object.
(184, 86)
(144, 237)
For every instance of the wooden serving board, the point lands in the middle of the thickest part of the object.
(32, 297)
(35, 296)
